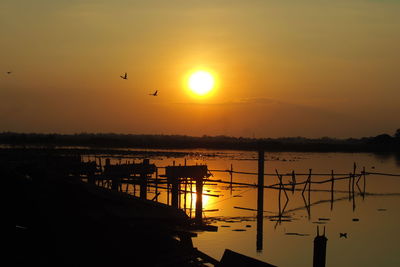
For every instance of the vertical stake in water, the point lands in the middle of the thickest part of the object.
(143, 180)
(332, 188)
(199, 200)
(363, 195)
(352, 186)
(231, 173)
(293, 181)
(320, 249)
(260, 200)
(191, 197)
(174, 192)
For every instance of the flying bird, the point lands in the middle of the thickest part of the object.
(155, 93)
(125, 77)
(342, 235)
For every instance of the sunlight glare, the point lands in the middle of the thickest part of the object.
(201, 82)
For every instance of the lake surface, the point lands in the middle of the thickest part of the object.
(369, 217)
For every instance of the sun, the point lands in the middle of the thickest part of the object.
(201, 82)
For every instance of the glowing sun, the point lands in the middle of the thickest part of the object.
(201, 82)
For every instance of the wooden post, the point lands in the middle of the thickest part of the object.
(191, 197)
(332, 188)
(168, 186)
(156, 190)
(143, 181)
(364, 183)
(231, 173)
(293, 181)
(184, 195)
(309, 190)
(319, 257)
(174, 192)
(179, 193)
(100, 167)
(199, 201)
(260, 200)
(352, 186)
(279, 196)
(115, 182)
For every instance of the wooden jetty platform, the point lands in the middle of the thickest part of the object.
(63, 221)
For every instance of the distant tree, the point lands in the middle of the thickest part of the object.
(397, 134)
(382, 139)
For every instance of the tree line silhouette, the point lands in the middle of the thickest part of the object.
(382, 142)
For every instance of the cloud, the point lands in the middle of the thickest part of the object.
(234, 102)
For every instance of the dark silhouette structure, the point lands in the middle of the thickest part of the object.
(320, 249)
(231, 258)
(368, 144)
(260, 200)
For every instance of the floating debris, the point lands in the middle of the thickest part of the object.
(225, 226)
(298, 234)
(324, 219)
(342, 235)
(239, 230)
(237, 196)
(280, 220)
(319, 222)
(355, 219)
(381, 209)
(211, 210)
(241, 208)
(248, 225)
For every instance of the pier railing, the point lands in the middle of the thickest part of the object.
(181, 180)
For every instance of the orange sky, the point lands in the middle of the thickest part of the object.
(283, 68)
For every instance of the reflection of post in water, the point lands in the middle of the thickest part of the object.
(260, 200)
(319, 257)
(280, 209)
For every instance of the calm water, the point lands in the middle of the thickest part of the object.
(371, 220)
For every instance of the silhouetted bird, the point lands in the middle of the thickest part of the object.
(342, 235)
(125, 77)
(155, 93)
